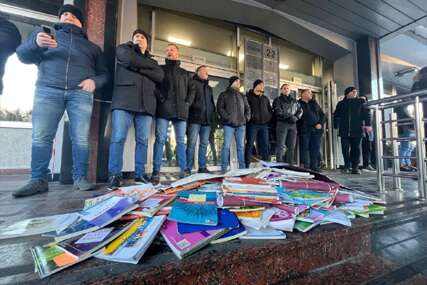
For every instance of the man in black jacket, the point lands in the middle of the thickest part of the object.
(70, 69)
(200, 118)
(287, 112)
(10, 39)
(134, 100)
(175, 99)
(310, 130)
(350, 117)
(261, 114)
(234, 112)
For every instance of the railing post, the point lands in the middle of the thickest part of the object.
(395, 167)
(420, 134)
(379, 145)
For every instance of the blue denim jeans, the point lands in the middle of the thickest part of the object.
(254, 131)
(121, 121)
(239, 134)
(407, 147)
(161, 135)
(48, 107)
(194, 131)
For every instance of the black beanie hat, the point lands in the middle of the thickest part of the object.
(231, 80)
(142, 32)
(73, 10)
(348, 90)
(256, 83)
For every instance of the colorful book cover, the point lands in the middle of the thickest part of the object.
(51, 258)
(304, 226)
(231, 234)
(153, 204)
(226, 220)
(134, 246)
(186, 244)
(197, 208)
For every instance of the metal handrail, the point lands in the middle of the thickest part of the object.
(420, 94)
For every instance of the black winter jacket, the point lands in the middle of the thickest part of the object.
(261, 112)
(350, 116)
(202, 111)
(10, 39)
(287, 109)
(136, 78)
(312, 115)
(233, 108)
(66, 66)
(176, 92)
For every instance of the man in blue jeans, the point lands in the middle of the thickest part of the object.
(70, 69)
(234, 112)
(175, 98)
(201, 116)
(134, 100)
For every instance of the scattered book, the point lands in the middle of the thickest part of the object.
(185, 244)
(265, 233)
(131, 245)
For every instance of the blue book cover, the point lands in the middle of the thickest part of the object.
(226, 219)
(231, 234)
(195, 207)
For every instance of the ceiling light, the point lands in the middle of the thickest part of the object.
(283, 66)
(179, 41)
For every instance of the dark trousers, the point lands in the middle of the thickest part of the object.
(310, 149)
(351, 151)
(254, 131)
(368, 153)
(286, 140)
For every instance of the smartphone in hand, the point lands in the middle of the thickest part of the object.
(48, 30)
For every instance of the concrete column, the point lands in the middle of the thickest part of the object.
(369, 67)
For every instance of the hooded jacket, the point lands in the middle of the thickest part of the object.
(136, 78)
(202, 111)
(261, 111)
(233, 108)
(66, 66)
(350, 116)
(176, 92)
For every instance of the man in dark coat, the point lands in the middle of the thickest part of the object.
(261, 114)
(310, 130)
(175, 99)
(351, 117)
(134, 101)
(287, 112)
(234, 112)
(70, 69)
(10, 39)
(200, 118)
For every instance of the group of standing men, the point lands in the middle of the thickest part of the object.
(71, 68)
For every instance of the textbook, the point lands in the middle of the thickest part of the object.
(185, 244)
(131, 246)
(137, 192)
(153, 204)
(226, 220)
(265, 233)
(51, 258)
(304, 226)
(195, 207)
(97, 216)
(231, 234)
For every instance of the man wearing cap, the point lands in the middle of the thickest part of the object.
(134, 101)
(200, 118)
(234, 112)
(350, 118)
(175, 98)
(71, 68)
(261, 114)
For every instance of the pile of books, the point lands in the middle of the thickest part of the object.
(191, 213)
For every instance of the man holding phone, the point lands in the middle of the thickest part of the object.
(71, 68)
